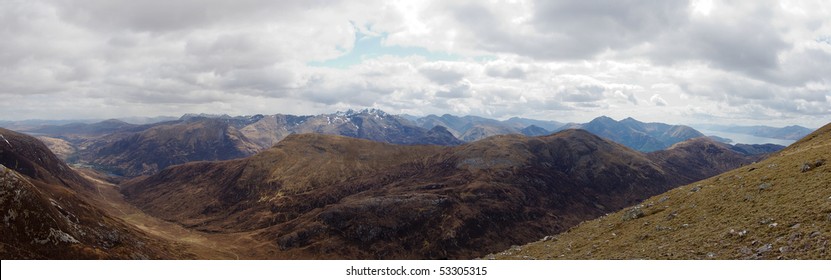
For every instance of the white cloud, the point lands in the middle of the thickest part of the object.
(747, 62)
(658, 100)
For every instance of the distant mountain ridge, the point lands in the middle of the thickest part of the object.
(370, 124)
(118, 145)
(645, 137)
(793, 132)
(473, 128)
(132, 150)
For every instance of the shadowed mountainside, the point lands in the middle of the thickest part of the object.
(160, 146)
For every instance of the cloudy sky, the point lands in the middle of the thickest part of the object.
(740, 62)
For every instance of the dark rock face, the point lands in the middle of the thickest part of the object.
(336, 197)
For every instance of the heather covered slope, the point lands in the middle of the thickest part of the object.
(249, 193)
(324, 196)
(46, 217)
(779, 208)
(701, 157)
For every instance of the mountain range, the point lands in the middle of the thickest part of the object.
(350, 185)
(472, 128)
(131, 150)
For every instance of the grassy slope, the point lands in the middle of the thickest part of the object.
(767, 210)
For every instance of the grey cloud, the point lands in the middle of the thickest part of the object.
(172, 97)
(802, 67)
(586, 93)
(330, 91)
(574, 29)
(503, 71)
(461, 90)
(580, 29)
(798, 107)
(232, 51)
(273, 82)
(736, 90)
(658, 100)
(589, 105)
(168, 16)
(629, 96)
(737, 36)
(441, 75)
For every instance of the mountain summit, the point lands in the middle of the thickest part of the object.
(645, 137)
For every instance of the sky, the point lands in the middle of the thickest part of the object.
(686, 62)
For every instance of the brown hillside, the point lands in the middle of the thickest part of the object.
(244, 194)
(699, 158)
(323, 196)
(779, 208)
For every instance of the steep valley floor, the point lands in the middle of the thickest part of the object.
(201, 245)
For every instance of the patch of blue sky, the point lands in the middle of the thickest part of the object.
(372, 46)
